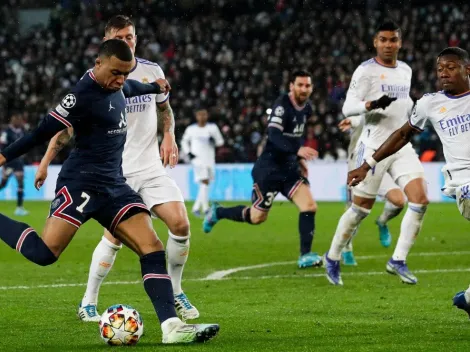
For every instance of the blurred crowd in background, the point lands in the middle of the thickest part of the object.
(232, 56)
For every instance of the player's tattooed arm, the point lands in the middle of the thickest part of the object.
(168, 148)
(166, 119)
(56, 144)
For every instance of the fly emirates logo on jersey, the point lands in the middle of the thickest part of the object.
(138, 104)
(455, 125)
(396, 90)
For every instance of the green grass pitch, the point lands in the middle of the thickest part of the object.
(271, 307)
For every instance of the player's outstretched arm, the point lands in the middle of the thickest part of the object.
(56, 144)
(134, 88)
(45, 131)
(393, 144)
(168, 148)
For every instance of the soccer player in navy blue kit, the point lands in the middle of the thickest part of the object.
(16, 167)
(281, 168)
(91, 183)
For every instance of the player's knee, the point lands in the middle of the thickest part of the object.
(155, 246)
(258, 217)
(310, 206)
(421, 199)
(180, 227)
(399, 203)
(358, 213)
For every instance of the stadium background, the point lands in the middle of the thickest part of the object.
(232, 56)
(236, 55)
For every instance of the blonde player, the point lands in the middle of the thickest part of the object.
(448, 112)
(389, 190)
(145, 173)
(379, 90)
(198, 143)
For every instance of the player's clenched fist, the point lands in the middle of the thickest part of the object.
(307, 153)
(164, 85)
(358, 175)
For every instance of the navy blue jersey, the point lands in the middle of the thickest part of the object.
(98, 117)
(285, 131)
(10, 135)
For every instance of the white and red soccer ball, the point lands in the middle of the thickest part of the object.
(121, 325)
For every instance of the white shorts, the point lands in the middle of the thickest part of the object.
(457, 186)
(387, 183)
(403, 163)
(203, 172)
(155, 189)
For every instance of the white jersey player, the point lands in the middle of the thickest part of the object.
(379, 90)
(449, 113)
(198, 143)
(389, 190)
(145, 173)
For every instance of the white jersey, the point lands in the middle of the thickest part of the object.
(450, 117)
(357, 124)
(196, 140)
(141, 153)
(370, 81)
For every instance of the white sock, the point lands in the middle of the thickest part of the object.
(349, 245)
(101, 263)
(177, 249)
(389, 212)
(204, 191)
(345, 230)
(467, 295)
(197, 204)
(410, 226)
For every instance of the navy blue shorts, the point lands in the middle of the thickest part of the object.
(16, 165)
(77, 205)
(269, 181)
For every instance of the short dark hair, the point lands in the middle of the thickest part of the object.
(388, 26)
(118, 22)
(462, 54)
(116, 47)
(200, 107)
(299, 73)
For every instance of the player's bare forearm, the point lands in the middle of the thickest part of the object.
(393, 144)
(166, 119)
(56, 144)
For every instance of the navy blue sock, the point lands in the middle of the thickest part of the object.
(306, 230)
(237, 213)
(19, 198)
(157, 284)
(24, 239)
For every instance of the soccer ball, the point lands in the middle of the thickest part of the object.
(121, 325)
